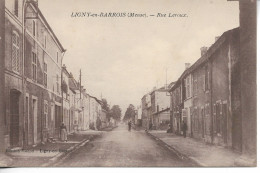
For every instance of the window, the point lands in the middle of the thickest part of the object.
(214, 119)
(195, 84)
(57, 57)
(57, 84)
(207, 87)
(34, 66)
(34, 28)
(45, 120)
(16, 8)
(188, 87)
(45, 74)
(185, 89)
(16, 61)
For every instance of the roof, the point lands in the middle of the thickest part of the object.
(163, 89)
(49, 27)
(164, 110)
(73, 84)
(205, 57)
(64, 69)
(99, 101)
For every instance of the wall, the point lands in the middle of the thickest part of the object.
(2, 79)
(162, 100)
(200, 121)
(177, 107)
(13, 80)
(248, 75)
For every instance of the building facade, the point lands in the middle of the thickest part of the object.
(160, 108)
(176, 106)
(32, 76)
(146, 111)
(207, 93)
(2, 67)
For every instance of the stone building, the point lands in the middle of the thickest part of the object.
(176, 106)
(208, 92)
(160, 108)
(32, 76)
(146, 110)
(246, 136)
(95, 111)
(2, 80)
(66, 116)
(73, 87)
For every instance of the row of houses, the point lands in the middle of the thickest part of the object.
(38, 93)
(211, 96)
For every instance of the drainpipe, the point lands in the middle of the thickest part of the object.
(211, 105)
(23, 64)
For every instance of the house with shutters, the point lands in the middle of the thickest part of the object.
(206, 94)
(33, 58)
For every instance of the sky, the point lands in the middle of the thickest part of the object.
(122, 59)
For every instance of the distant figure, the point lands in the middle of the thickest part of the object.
(169, 130)
(129, 125)
(184, 128)
(150, 126)
(63, 132)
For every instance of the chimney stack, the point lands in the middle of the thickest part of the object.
(187, 65)
(203, 50)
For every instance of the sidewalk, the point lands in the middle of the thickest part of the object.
(197, 151)
(46, 154)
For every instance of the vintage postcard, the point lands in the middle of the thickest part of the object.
(128, 83)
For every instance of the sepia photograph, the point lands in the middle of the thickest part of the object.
(128, 83)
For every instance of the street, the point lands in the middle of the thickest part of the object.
(121, 148)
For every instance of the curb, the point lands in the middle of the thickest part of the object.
(62, 156)
(177, 153)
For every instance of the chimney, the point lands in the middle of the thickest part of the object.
(187, 65)
(216, 38)
(203, 50)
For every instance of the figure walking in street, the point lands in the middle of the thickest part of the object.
(184, 128)
(129, 126)
(63, 132)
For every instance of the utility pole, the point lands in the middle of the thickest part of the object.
(166, 78)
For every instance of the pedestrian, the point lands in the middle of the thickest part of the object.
(150, 125)
(184, 128)
(63, 132)
(169, 130)
(129, 126)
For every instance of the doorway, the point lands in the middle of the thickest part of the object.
(14, 118)
(34, 111)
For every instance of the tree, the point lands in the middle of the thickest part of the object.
(116, 112)
(129, 113)
(105, 106)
